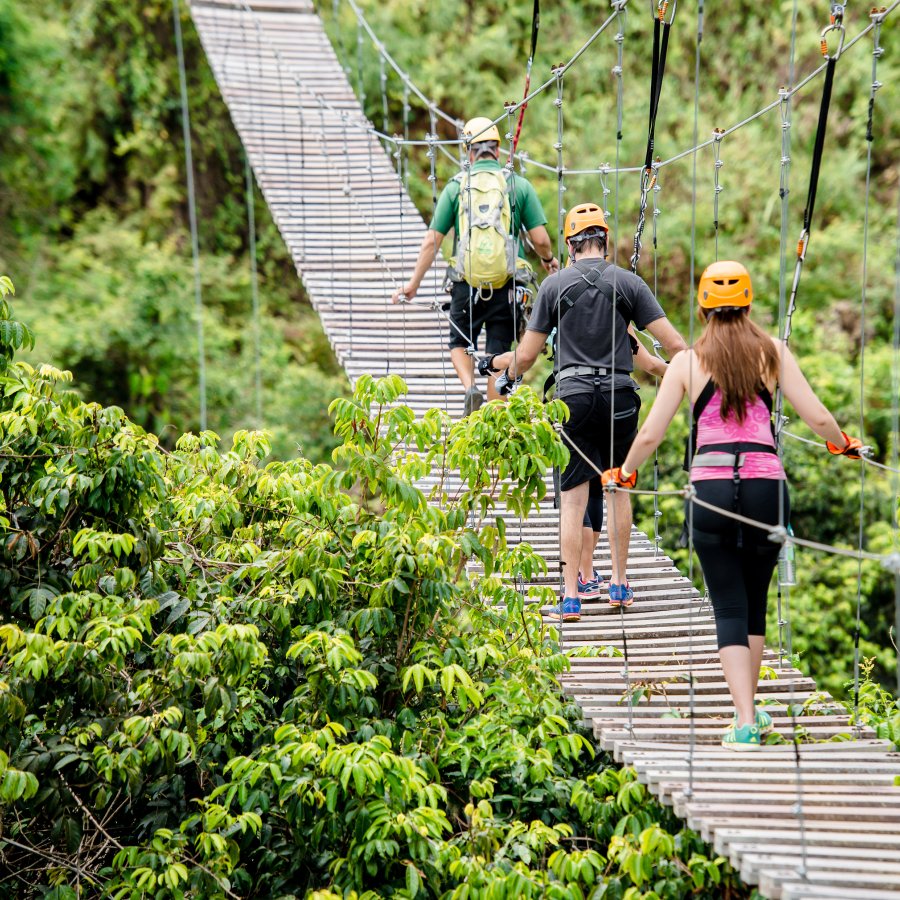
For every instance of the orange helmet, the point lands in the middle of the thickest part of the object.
(584, 216)
(725, 283)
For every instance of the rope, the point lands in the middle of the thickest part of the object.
(192, 212)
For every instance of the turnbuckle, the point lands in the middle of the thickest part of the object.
(836, 25)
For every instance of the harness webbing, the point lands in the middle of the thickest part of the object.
(535, 28)
(661, 30)
(818, 149)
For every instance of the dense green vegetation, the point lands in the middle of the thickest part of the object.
(225, 678)
(93, 219)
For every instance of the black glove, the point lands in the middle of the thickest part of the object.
(486, 365)
(506, 385)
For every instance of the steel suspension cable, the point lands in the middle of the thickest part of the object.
(786, 577)
(895, 444)
(611, 529)
(192, 212)
(692, 700)
(717, 187)
(870, 138)
(254, 292)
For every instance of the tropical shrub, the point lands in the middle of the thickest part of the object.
(222, 677)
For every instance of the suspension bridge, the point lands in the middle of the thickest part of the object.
(817, 816)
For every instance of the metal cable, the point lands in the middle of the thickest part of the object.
(870, 138)
(192, 212)
(692, 690)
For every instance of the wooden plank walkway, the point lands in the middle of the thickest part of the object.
(829, 828)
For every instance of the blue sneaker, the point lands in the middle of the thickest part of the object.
(590, 590)
(569, 610)
(620, 594)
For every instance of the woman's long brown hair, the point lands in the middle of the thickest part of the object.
(739, 356)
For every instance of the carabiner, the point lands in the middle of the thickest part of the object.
(662, 7)
(834, 26)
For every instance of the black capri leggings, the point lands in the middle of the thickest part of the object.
(738, 560)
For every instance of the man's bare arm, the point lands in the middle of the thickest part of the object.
(666, 333)
(428, 251)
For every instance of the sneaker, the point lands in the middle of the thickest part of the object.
(763, 721)
(620, 594)
(474, 400)
(589, 590)
(569, 610)
(741, 737)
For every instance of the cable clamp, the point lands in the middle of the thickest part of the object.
(779, 535)
(892, 563)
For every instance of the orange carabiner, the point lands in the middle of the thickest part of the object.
(823, 43)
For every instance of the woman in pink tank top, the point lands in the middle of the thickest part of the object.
(730, 376)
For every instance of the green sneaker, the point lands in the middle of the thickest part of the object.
(741, 737)
(763, 721)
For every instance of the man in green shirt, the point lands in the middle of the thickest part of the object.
(474, 304)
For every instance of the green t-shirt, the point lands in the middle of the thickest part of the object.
(527, 210)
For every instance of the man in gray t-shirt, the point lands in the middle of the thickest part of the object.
(593, 306)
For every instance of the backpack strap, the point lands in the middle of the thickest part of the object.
(709, 389)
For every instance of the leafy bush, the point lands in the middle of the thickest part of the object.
(225, 678)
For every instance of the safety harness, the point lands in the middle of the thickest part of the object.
(593, 278)
(730, 453)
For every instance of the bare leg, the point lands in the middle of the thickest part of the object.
(571, 526)
(757, 644)
(588, 548)
(491, 390)
(619, 528)
(737, 664)
(464, 365)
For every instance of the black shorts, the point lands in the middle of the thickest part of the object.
(588, 429)
(467, 318)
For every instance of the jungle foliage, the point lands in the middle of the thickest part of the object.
(226, 677)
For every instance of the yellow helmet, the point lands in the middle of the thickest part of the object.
(725, 283)
(480, 129)
(583, 216)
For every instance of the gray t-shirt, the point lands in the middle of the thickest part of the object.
(586, 331)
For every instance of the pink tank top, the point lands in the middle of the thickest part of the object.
(756, 429)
